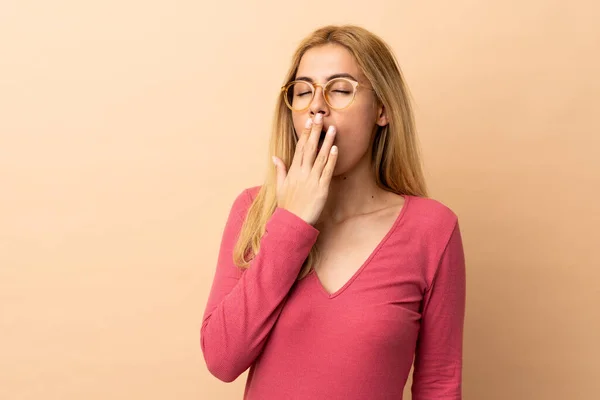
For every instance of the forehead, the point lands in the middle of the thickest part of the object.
(321, 62)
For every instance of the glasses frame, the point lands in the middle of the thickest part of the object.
(323, 87)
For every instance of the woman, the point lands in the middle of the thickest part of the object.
(339, 271)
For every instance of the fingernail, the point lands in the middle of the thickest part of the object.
(330, 130)
(319, 118)
(274, 160)
(308, 123)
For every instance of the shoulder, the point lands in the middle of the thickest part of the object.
(431, 210)
(431, 216)
(435, 227)
(244, 199)
(252, 191)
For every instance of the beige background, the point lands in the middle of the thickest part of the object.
(127, 128)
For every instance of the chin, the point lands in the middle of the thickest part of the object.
(339, 170)
(349, 164)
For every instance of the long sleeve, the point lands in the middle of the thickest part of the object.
(438, 359)
(244, 305)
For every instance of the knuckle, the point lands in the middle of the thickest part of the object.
(310, 147)
(322, 158)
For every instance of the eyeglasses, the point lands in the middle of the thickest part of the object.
(339, 93)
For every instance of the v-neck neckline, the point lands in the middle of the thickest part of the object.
(399, 217)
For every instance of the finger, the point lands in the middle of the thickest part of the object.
(310, 149)
(323, 155)
(329, 167)
(298, 155)
(281, 172)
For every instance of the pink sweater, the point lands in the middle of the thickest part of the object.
(300, 342)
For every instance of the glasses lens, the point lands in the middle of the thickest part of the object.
(339, 93)
(299, 95)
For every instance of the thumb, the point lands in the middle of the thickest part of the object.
(281, 171)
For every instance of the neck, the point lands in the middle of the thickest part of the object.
(353, 193)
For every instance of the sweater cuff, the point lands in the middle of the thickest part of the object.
(284, 222)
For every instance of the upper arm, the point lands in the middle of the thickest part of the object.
(227, 274)
(438, 358)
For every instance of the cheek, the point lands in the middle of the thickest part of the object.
(356, 128)
(299, 121)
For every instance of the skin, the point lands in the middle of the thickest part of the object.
(353, 196)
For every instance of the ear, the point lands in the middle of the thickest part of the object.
(382, 119)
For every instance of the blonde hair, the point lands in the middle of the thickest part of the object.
(396, 161)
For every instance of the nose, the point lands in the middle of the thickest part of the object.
(319, 105)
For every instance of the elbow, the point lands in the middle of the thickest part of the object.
(219, 364)
(222, 369)
(227, 375)
(436, 386)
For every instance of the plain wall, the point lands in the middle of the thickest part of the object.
(128, 127)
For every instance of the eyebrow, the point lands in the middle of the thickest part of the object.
(340, 75)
